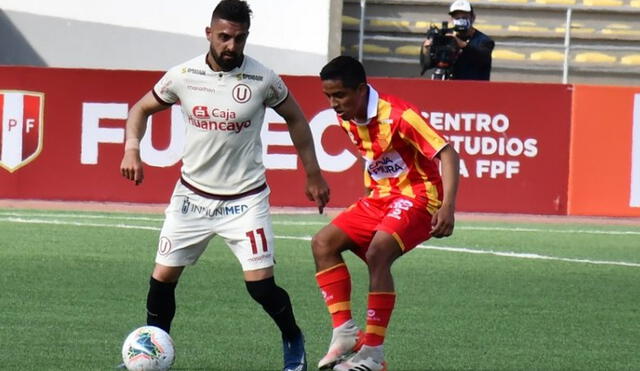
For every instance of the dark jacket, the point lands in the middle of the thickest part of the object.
(473, 61)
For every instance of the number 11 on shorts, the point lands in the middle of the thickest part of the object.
(252, 238)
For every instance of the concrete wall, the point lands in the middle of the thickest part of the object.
(157, 34)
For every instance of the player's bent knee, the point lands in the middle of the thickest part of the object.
(166, 274)
(321, 246)
(317, 244)
(381, 257)
(258, 274)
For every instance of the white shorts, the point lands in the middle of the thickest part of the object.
(191, 221)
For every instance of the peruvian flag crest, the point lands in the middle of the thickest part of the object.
(21, 131)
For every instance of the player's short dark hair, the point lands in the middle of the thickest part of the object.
(346, 69)
(233, 10)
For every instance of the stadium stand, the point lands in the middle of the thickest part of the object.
(604, 39)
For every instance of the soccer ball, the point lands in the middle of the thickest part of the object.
(148, 348)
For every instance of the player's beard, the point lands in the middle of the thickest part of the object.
(227, 64)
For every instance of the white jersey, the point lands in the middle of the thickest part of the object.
(223, 112)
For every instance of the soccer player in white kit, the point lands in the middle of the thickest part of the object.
(222, 189)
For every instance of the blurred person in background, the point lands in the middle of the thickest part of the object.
(463, 53)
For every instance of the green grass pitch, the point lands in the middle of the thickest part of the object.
(495, 296)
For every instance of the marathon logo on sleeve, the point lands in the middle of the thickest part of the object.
(21, 128)
(389, 165)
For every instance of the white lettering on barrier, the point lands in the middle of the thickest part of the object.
(513, 146)
(478, 141)
(634, 200)
(470, 122)
(464, 172)
(173, 153)
(333, 163)
(93, 134)
(11, 113)
(276, 138)
(318, 124)
(29, 124)
(497, 167)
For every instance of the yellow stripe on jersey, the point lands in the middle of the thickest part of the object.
(384, 134)
(363, 133)
(432, 191)
(345, 125)
(384, 187)
(384, 110)
(432, 195)
(406, 188)
(413, 143)
(418, 123)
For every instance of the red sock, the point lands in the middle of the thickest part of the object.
(335, 285)
(378, 315)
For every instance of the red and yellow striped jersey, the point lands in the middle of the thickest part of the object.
(399, 148)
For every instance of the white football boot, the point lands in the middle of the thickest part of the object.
(367, 359)
(346, 339)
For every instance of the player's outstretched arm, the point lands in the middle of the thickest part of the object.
(131, 165)
(317, 189)
(443, 220)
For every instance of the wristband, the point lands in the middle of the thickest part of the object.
(132, 143)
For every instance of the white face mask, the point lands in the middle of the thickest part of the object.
(461, 24)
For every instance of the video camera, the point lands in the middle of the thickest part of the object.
(442, 53)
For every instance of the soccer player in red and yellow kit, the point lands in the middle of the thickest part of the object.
(407, 202)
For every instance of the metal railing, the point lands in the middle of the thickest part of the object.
(567, 46)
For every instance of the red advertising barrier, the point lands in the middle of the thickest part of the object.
(513, 140)
(605, 151)
(63, 132)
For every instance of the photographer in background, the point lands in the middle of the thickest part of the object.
(470, 58)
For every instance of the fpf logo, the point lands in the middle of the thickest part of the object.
(22, 127)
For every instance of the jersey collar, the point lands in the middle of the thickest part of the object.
(372, 105)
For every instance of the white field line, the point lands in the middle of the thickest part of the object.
(80, 216)
(540, 230)
(510, 254)
(79, 224)
(291, 222)
(307, 238)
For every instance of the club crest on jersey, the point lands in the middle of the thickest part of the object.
(164, 246)
(241, 93)
(21, 127)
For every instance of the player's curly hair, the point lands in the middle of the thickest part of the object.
(234, 11)
(346, 69)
